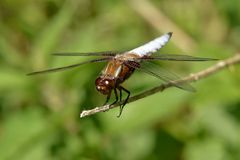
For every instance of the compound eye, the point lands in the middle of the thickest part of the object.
(98, 88)
(106, 82)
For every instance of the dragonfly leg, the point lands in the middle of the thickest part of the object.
(116, 95)
(108, 97)
(120, 95)
(125, 101)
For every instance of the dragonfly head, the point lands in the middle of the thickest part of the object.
(104, 85)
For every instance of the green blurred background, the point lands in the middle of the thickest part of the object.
(39, 116)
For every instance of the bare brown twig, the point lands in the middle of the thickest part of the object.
(191, 78)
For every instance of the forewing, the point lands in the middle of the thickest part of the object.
(104, 53)
(68, 67)
(163, 74)
(152, 46)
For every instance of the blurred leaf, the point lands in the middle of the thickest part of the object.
(12, 79)
(51, 35)
(205, 149)
(22, 132)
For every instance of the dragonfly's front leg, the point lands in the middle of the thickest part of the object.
(108, 97)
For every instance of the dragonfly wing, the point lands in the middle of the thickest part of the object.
(67, 67)
(163, 74)
(104, 54)
(152, 46)
(175, 57)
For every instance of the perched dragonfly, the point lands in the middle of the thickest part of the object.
(121, 65)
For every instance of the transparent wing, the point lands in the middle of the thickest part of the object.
(104, 54)
(152, 46)
(163, 74)
(175, 57)
(67, 67)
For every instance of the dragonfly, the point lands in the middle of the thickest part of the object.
(121, 65)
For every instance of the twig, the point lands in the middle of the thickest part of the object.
(191, 78)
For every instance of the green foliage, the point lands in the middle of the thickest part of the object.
(39, 116)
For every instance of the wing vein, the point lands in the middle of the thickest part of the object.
(162, 74)
(67, 67)
(175, 57)
(104, 53)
